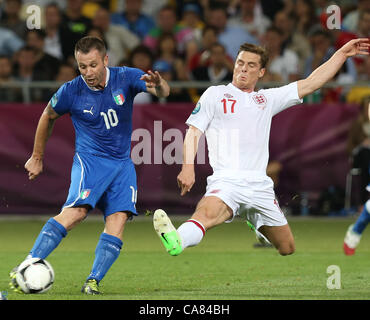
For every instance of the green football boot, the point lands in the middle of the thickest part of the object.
(167, 232)
(90, 287)
(13, 281)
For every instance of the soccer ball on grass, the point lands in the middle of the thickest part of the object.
(34, 275)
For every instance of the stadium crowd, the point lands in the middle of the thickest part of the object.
(184, 40)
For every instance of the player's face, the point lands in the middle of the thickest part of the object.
(92, 68)
(247, 70)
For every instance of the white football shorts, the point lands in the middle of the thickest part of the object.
(249, 194)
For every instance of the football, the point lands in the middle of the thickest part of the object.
(34, 275)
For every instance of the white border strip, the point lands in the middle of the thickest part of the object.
(79, 188)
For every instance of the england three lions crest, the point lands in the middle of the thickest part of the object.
(260, 100)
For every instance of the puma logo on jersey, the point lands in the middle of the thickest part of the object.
(89, 111)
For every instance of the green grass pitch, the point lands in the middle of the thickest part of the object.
(224, 266)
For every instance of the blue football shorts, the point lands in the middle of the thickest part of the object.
(105, 183)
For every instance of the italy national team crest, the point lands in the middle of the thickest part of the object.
(261, 100)
(84, 194)
(119, 98)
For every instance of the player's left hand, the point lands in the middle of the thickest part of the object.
(152, 79)
(356, 46)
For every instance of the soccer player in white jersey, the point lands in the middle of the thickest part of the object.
(236, 121)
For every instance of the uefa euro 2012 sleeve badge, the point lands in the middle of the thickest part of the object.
(196, 109)
(54, 100)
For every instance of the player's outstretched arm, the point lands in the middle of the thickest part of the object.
(155, 84)
(44, 129)
(186, 177)
(327, 70)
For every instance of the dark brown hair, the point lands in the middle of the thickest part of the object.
(86, 44)
(262, 52)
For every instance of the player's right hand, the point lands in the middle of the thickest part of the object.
(34, 167)
(185, 181)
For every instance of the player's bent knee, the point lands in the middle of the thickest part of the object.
(69, 217)
(212, 211)
(286, 249)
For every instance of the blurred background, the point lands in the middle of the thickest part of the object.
(319, 151)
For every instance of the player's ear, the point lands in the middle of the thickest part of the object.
(105, 60)
(262, 72)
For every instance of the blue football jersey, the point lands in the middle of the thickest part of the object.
(102, 119)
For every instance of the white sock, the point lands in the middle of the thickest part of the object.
(191, 233)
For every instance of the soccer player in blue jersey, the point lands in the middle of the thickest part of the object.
(100, 103)
(354, 232)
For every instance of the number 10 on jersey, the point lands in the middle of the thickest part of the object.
(229, 103)
(110, 118)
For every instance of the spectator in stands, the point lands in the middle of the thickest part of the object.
(142, 58)
(362, 31)
(167, 51)
(7, 94)
(119, 39)
(359, 145)
(220, 69)
(90, 7)
(322, 50)
(9, 42)
(66, 73)
(73, 18)
(168, 74)
(57, 43)
(201, 58)
(357, 93)
(192, 19)
(167, 23)
(283, 63)
(148, 7)
(364, 73)
(25, 60)
(229, 36)
(46, 66)
(251, 18)
(76, 25)
(10, 18)
(350, 21)
(292, 40)
(363, 27)
(305, 11)
(133, 19)
(5, 69)
(270, 8)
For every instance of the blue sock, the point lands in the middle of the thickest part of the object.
(363, 219)
(106, 252)
(49, 238)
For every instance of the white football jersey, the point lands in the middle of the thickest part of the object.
(237, 124)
